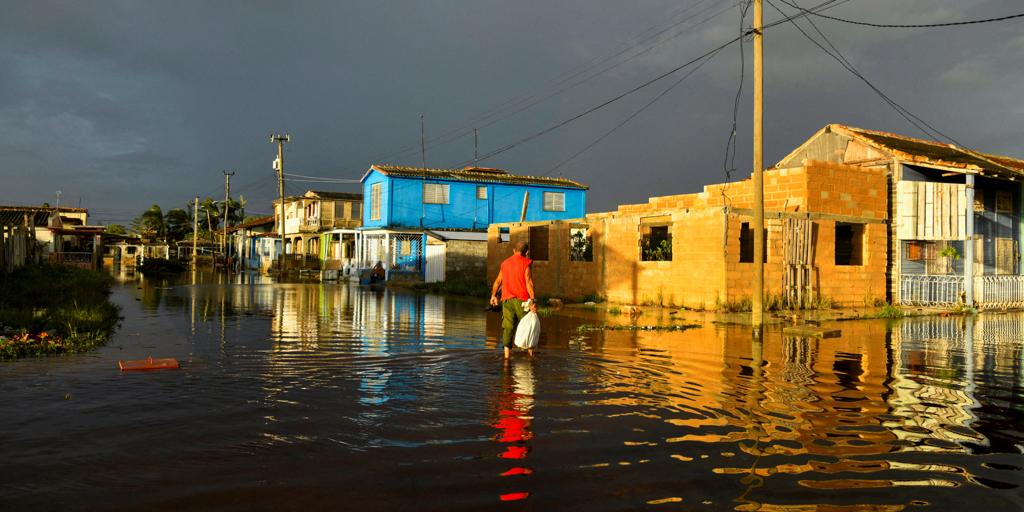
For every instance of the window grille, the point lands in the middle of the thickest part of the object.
(481, 192)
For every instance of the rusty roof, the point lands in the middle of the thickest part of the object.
(40, 215)
(475, 174)
(912, 149)
(258, 221)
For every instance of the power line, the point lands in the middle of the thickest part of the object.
(924, 25)
(633, 115)
(906, 114)
(515, 106)
(729, 160)
(824, 5)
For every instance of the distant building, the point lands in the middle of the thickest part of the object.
(320, 228)
(430, 224)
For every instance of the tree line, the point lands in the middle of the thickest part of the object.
(177, 223)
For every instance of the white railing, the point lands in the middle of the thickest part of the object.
(999, 291)
(989, 291)
(924, 290)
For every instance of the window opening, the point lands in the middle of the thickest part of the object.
(656, 243)
(581, 244)
(539, 243)
(849, 246)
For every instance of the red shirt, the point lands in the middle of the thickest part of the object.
(513, 277)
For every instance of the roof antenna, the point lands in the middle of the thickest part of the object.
(423, 144)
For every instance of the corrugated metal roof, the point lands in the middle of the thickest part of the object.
(937, 153)
(474, 174)
(40, 215)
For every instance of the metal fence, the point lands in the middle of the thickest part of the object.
(999, 291)
(989, 291)
(924, 290)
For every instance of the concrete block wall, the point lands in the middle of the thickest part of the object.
(465, 260)
(705, 269)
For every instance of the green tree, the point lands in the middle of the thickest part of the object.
(115, 229)
(179, 224)
(151, 223)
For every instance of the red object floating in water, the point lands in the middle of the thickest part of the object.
(515, 452)
(166, 363)
(513, 496)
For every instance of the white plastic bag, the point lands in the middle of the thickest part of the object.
(528, 331)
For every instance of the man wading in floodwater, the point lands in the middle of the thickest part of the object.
(516, 282)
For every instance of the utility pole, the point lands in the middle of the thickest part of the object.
(476, 147)
(195, 233)
(757, 295)
(227, 207)
(279, 167)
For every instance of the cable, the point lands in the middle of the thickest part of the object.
(925, 25)
(729, 160)
(515, 106)
(633, 115)
(485, 156)
(909, 116)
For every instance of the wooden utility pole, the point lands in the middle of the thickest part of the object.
(279, 167)
(757, 295)
(227, 207)
(476, 147)
(195, 233)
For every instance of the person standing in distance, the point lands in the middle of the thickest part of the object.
(516, 282)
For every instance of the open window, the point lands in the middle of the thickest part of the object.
(539, 243)
(503, 235)
(656, 239)
(581, 245)
(849, 247)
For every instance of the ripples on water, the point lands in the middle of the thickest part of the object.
(330, 396)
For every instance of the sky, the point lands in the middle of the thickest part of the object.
(124, 104)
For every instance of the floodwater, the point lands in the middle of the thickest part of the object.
(310, 396)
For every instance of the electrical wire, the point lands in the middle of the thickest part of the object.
(729, 160)
(924, 25)
(633, 115)
(906, 114)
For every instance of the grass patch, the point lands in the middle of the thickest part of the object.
(55, 309)
(466, 288)
(890, 311)
(614, 310)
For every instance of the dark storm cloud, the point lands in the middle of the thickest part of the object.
(125, 104)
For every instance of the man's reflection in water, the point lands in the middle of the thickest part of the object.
(515, 400)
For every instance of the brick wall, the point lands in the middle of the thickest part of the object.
(705, 269)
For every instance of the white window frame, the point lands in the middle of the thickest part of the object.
(554, 201)
(435, 193)
(375, 198)
(481, 192)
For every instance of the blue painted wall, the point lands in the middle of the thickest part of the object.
(402, 204)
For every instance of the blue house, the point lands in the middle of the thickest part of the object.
(428, 224)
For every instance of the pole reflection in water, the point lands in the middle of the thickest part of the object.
(512, 420)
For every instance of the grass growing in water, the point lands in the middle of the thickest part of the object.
(54, 309)
(466, 288)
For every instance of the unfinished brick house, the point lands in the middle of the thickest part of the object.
(827, 219)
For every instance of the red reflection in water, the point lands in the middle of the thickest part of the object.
(513, 422)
